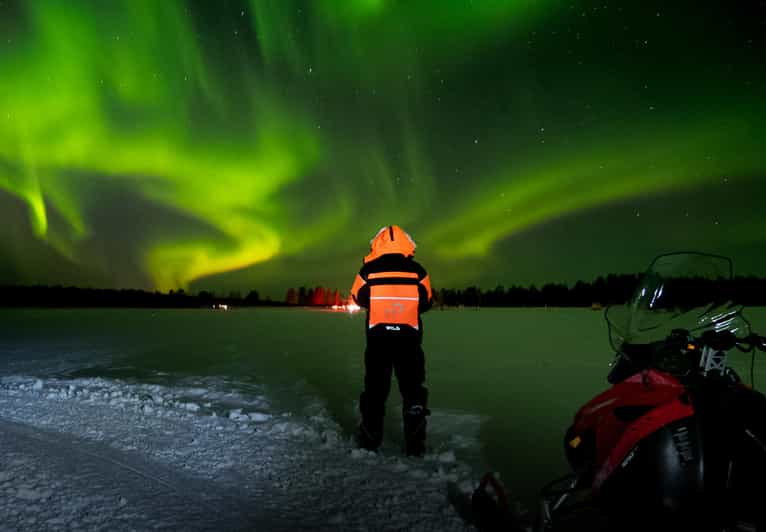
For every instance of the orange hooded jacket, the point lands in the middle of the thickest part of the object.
(391, 285)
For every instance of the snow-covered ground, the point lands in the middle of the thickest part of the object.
(99, 454)
(188, 420)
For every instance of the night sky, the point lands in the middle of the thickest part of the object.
(261, 144)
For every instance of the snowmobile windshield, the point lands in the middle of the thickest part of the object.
(689, 291)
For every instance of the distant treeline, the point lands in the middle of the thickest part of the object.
(612, 289)
(59, 296)
(609, 290)
(317, 297)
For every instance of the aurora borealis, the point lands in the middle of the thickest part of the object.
(236, 145)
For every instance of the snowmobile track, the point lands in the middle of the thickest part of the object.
(165, 498)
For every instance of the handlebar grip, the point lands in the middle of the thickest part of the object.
(719, 340)
(751, 342)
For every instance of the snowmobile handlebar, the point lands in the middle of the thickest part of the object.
(719, 341)
(680, 352)
(682, 340)
(751, 342)
(725, 340)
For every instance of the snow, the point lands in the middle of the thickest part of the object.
(101, 454)
(447, 457)
(150, 442)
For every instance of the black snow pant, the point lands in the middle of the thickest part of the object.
(405, 357)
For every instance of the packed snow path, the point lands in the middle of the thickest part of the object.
(53, 480)
(94, 454)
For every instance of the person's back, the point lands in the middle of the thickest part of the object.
(395, 290)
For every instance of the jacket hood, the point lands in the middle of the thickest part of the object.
(391, 239)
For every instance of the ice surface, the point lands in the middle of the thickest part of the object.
(100, 454)
(156, 394)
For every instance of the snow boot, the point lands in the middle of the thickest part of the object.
(415, 430)
(367, 438)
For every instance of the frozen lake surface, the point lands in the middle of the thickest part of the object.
(177, 419)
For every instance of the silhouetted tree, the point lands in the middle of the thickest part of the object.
(494, 298)
(292, 297)
(302, 295)
(472, 296)
(320, 296)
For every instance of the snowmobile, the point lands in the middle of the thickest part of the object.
(678, 442)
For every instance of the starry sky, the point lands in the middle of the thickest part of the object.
(261, 144)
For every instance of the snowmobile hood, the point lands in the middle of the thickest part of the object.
(391, 239)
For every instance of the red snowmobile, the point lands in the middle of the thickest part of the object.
(679, 441)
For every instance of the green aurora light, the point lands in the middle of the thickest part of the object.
(243, 133)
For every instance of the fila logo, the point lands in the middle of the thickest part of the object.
(392, 328)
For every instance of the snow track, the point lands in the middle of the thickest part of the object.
(94, 454)
(64, 481)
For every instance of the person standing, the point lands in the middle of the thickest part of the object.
(395, 290)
